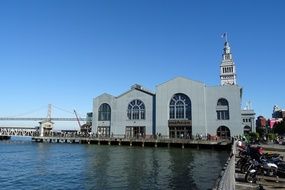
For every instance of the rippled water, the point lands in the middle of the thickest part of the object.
(27, 165)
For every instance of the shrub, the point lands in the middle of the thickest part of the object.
(271, 136)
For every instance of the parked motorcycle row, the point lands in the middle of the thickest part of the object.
(253, 162)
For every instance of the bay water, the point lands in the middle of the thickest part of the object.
(30, 165)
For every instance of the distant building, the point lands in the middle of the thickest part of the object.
(261, 122)
(248, 119)
(89, 117)
(278, 113)
(277, 116)
(87, 127)
(45, 127)
(179, 108)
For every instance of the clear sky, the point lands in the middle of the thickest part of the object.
(66, 52)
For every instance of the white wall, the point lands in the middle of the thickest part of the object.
(232, 95)
(119, 105)
(194, 90)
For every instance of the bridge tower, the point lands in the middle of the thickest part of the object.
(46, 125)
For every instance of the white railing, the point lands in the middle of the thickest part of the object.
(18, 132)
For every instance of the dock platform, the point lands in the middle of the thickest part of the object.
(150, 142)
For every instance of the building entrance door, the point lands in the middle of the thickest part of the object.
(224, 132)
(183, 132)
(135, 131)
(180, 129)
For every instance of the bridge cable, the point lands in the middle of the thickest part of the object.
(62, 109)
(29, 112)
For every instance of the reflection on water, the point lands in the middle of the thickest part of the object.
(73, 166)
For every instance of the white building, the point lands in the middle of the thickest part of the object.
(130, 114)
(180, 108)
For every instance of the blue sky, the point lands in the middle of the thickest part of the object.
(66, 52)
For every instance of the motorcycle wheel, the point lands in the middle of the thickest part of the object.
(250, 177)
(245, 167)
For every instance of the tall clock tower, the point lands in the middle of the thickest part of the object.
(227, 67)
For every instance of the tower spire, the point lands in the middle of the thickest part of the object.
(227, 67)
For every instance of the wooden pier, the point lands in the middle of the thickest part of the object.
(142, 142)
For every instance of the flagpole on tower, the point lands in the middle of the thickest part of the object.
(225, 36)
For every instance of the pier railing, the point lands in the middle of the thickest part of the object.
(226, 179)
(122, 137)
(18, 131)
(79, 136)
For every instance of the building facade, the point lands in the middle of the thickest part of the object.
(278, 114)
(248, 121)
(179, 108)
(130, 114)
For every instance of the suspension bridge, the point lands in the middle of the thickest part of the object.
(46, 124)
(48, 117)
(40, 119)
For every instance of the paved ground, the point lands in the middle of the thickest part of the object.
(240, 182)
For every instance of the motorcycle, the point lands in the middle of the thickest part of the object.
(261, 168)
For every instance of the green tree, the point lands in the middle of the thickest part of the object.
(252, 137)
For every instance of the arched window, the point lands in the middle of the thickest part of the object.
(180, 107)
(222, 109)
(136, 110)
(246, 129)
(104, 113)
(223, 132)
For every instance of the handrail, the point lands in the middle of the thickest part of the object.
(226, 179)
